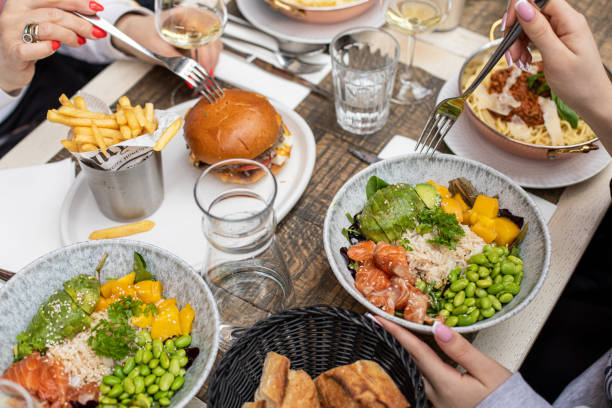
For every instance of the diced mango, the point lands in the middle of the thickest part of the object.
(166, 323)
(452, 206)
(165, 304)
(485, 229)
(107, 289)
(186, 316)
(143, 321)
(120, 291)
(506, 230)
(102, 305)
(487, 206)
(149, 291)
(443, 191)
(461, 201)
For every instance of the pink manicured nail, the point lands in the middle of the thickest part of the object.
(520, 64)
(503, 24)
(372, 318)
(442, 332)
(508, 58)
(524, 10)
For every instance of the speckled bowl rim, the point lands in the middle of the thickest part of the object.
(127, 242)
(422, 328)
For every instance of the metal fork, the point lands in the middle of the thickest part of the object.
(188, 69)
(446, 113)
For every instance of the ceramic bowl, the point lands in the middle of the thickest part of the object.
(414, 169)
(21, 296)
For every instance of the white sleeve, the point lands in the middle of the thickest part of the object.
(102, 51)
(8, 102)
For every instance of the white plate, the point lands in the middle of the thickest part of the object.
(464, 140)
(264, 17)
(178, 220)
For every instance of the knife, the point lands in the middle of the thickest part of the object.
(363, 156)
(266, 66)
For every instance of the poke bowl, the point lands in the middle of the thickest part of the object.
(418, 240)
(99, 321)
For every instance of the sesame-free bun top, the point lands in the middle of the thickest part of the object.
(241, 124)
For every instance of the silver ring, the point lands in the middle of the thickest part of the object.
(30, 33)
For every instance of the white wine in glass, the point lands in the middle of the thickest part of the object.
(414, 17)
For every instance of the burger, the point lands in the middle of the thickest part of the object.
(240, 124)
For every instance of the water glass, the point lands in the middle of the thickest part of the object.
(243, 264)
(13, 395)
(364, 62)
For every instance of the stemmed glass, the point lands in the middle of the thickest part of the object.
(243, 265)
(414, 17)
(190, 24)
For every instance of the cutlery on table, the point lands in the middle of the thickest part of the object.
(283, 73)
(6, 275)
(284, 58)
(186, 68)
(446, 113)
(364, 156)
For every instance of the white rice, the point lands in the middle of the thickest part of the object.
(433, 262)
(81, 363)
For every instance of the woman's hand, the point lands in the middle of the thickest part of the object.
(572, 64)
(56, 26)
(444, 385)
(142, 29)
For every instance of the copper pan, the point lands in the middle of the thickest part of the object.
(321, 15)
(528, 150)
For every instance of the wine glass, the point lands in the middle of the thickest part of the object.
(414, 17)
(190, 24)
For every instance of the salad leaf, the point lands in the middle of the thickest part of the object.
(445, 227)
(140, 268)
(114, 337)
(564, 111)
(531, 80)
(374, 184)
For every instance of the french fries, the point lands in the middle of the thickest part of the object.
(98, 131)
(168, 134)
(123, 230)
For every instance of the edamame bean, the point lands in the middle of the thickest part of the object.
(419, 285)
(484, 283)
(128, 385)
(486, 313)
(512, 287)
(515, 260)
(445, 313)
(180, 353)
(129, 365)
(486, 248)
(107, 400)
(479, 259)
(149, 379)
(174, 366)
(153, 363)
(124, 396)
(134, 374)
(518, 278)
(448, 306)
(495, 288)
(458, 299)
(508, 278)
(485, 303)
(157, 348)
(449, 294)
(483, 272)
(177, 383)
(170, 394)
(183, 341)
(182, 372)
(472, 268)
(471, 309)
(169, 346)
(508, 268)
(118, 372)
(105, 389)
(111, 380)
(164, 361)
(498, 279)
(147, 356)
(499, 251)
(452, 276)
(506, 298)
(495, 302)
(472, 276)
(138, 385)
(138, 356)
(160, 394)
(158, 371)
(460, 284)
(475, 314)
(459, 310)
(152, 389)
(480, 292)
(164, 402)
(496, 270)
(115, 391)
(470, 289)
(452, 321)
(470, 302)
(139, 339)
(144, 370)
(183, 360)
(166, 381)
(465, 320)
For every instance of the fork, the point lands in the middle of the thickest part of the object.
(446, 113)
(186, 68)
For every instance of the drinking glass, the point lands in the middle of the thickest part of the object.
(13, 395)
(242, 264)
(190, 24)
(414, 17)
(364, 62)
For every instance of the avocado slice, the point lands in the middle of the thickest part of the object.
(370, 228)
(428, 194)
(84, 291)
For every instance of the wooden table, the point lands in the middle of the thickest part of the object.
(579, 212)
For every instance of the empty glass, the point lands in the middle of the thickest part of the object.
(13, 395)
(242, 265)
(364, 62)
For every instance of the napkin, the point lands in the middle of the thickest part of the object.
(29, 211)
(401, 144)
(238, 72)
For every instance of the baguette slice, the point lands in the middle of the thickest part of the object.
(301, 391)
(256, 404)
(274, 380)
(363, 384)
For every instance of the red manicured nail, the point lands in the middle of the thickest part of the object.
(98, 32)
(80, 39)
(95, 6)
(212, 73)
(189, 85)
(55, 45)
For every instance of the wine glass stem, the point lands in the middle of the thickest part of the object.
(406, 75)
